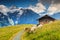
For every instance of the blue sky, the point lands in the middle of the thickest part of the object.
(20, 3)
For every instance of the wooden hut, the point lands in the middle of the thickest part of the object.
(45, 19)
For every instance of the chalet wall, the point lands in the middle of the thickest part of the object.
(46, 20)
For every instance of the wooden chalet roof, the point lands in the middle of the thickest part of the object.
(46, 16)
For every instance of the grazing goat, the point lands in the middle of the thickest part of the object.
(27, 29)
(32, 29)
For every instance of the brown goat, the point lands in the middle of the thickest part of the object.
(28, 29)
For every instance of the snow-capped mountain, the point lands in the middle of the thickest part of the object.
(28, 17)
(18, 16)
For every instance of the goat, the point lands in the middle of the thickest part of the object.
(32, 29)
(28, 30)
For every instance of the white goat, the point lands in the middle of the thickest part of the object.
(35, 27)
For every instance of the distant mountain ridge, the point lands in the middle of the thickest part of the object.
(19, 16)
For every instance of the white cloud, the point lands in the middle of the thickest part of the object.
(54, 8)
(16, 9)
(38, 8)
(13, 10)
(4, 9)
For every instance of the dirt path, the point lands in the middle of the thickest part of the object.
(18, 36)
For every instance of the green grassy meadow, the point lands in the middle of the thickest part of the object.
(49, 31)
(7, 32)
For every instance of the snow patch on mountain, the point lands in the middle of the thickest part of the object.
(11, 21)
